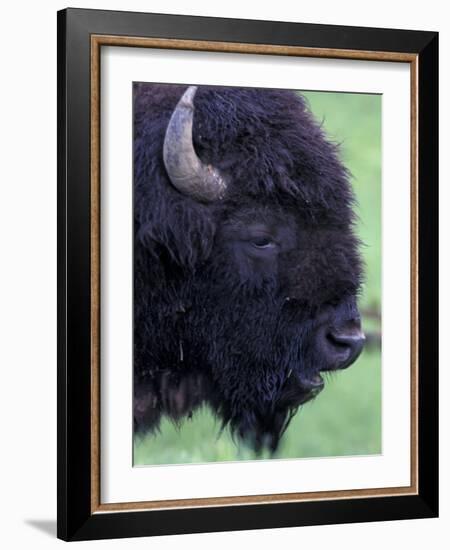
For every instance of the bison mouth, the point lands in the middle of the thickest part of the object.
(300, 388)
(311, 385)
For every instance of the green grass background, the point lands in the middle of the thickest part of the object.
(345, 419)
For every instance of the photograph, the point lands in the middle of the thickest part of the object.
(221, 275)
(256, 273)
(247, 316)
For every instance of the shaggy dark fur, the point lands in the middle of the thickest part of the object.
(233, 300)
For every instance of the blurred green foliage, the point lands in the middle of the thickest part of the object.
(345, 419)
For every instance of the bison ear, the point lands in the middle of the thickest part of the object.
(181, 226)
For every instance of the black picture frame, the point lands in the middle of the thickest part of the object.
(77, 520)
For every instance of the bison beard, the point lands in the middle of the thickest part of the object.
(245, 295)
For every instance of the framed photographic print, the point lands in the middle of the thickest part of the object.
(247, 255)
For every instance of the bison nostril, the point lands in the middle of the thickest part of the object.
(346, 339)
(344, 347)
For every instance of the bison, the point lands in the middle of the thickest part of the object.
(246, 264)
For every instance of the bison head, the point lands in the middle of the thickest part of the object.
(246, 264)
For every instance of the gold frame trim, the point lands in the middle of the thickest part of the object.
(263, 49)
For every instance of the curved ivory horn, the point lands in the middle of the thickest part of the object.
(186, 171)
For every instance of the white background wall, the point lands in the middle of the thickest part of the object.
(28, 272)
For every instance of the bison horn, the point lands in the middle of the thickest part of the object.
(185, 170)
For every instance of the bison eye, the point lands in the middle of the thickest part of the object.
(262, 242)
